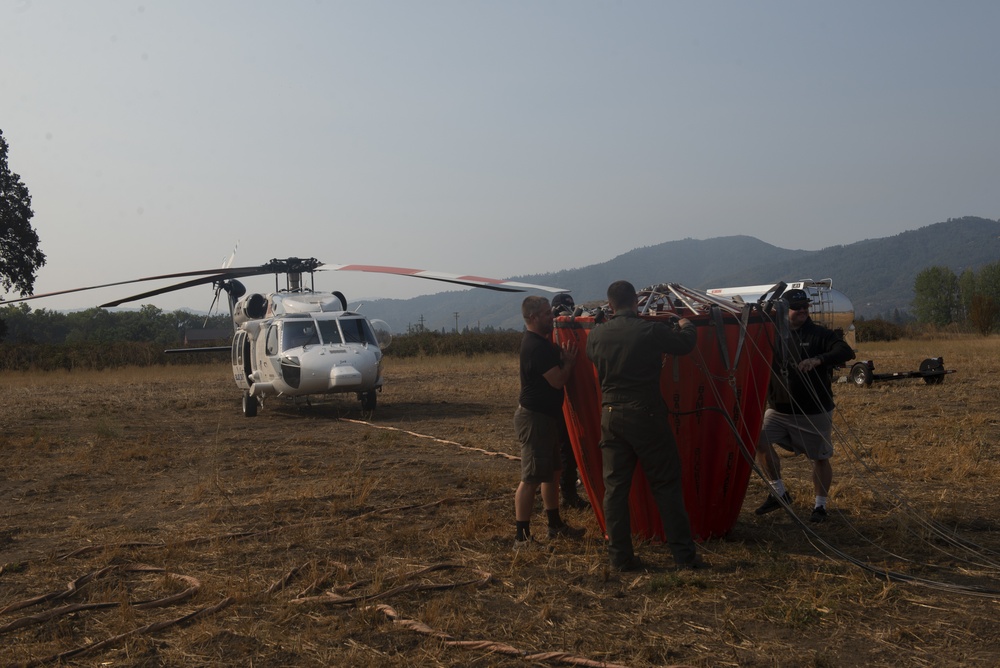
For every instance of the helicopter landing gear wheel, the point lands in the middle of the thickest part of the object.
(368, 400)
(861, 375)
(249, 405)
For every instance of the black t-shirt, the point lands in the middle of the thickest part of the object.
(538, 355)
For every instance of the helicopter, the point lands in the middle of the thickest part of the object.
(295, 341)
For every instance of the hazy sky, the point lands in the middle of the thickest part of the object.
(495, 138)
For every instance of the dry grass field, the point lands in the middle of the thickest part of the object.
(145, 522)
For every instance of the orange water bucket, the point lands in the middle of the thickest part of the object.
(716, 397)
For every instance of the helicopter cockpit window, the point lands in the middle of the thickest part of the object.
(330, 332)
(357, 330)
(298, 333)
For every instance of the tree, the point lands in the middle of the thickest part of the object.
(19, 254)
(936, 298)
(967, 289)
(988, 281)
(984, 313)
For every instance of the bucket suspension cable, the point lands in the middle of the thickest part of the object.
(666, 299)
(820, 543)
(848, 438)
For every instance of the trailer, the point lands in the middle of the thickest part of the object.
(932, 370)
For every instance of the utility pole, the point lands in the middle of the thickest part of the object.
(456, 322)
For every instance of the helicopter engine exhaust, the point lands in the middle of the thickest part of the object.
(250, 307)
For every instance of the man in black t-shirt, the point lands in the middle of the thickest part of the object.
(544, 370)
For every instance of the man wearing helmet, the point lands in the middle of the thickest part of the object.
(799, 417)
(563, 305)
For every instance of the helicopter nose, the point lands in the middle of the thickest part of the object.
(345, 376)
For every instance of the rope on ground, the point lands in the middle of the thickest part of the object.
(490, 453)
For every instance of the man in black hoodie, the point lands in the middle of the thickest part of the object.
(800, 398)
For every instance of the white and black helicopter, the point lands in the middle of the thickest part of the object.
(295, 341)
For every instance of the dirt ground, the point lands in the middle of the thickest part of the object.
(145, 522)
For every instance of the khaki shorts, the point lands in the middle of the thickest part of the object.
(539, 436)
(805, 434)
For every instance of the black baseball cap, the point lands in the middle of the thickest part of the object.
(797, 298)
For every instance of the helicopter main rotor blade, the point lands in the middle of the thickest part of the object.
(471, 281)
(210, 274)
(220, 275)
(290, 265)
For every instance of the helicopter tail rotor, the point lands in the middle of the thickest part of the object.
(226, 264)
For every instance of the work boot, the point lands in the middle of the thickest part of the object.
(772, 503)
(566, 531)
(632, 565)
(696, 563)
(575, 501)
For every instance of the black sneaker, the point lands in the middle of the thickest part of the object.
(772, 503)
(818, 514)
(695, 564)
(575, 501)
(566, 531)
(632, 565)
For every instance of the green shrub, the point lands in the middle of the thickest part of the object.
(868, 331)
(467, 343)
(95, 356)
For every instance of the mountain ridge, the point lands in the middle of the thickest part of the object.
(876, 274)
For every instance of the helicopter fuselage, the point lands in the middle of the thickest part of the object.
(297, 342)
(305, 344)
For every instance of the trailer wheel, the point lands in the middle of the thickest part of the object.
(861, 375)
(930, 367)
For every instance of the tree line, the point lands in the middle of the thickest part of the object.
(97, 339)
(970, 300)
(19, 324)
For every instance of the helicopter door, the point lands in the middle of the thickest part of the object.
(268, 361)
(271, 342)
(241, 360)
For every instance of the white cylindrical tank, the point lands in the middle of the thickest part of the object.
(830, 308)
